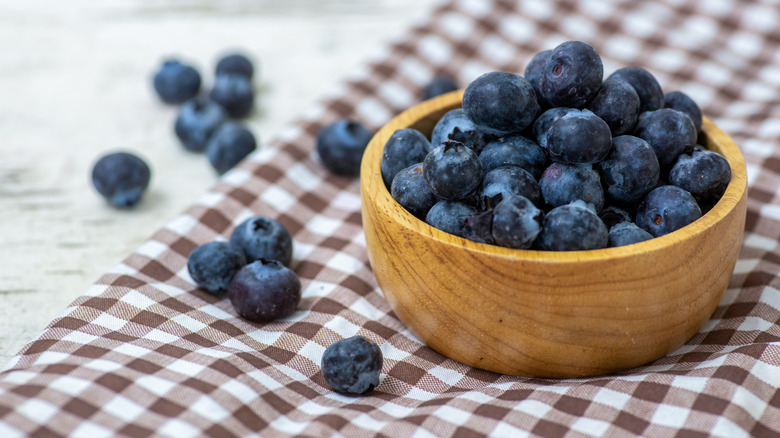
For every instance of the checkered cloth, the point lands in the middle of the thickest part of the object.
(145, 352)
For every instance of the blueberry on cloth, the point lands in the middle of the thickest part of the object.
(516, 222)
(669, 132)
(563, 183)
(404, 148)
(617, 104)
(341, 144)
(237, 64)
(230, 144)
(352, 365)
(666, 209)
(450, 216)
(515, 150)
(704, 174)
(121, 178)
(213, 264)
(262, 237)
(627, 233)
(682, 102)
(504, 181)
(573, 227)
(651, 96)
(579, 138)
(264, 290)
(452, 170)
(572, 75)
(176, 83)
(234, 92)
(455, 125)
(197, 120)
(438, 86)
(630, 170)
(410, 190)
(500, 103)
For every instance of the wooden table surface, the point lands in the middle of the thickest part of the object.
(75, 82)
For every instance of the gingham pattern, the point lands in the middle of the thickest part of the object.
(144, 352)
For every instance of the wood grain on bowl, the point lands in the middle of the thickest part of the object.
(541, 313)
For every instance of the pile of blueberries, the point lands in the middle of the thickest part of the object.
(560, 158)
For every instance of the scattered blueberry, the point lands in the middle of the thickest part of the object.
(630, 170)
(121, 178)
(500, 103)
(516, 222)
(455, 125)
(617, 104)
(262, 237)
(264, 290)
(449, 216)
(438, 86)
(352, 366)
(452, 170)
(669, 132)
(234, 92)
(572, 75)
(515, 150)
(403, 149)
(651, 97)
(410, 190)
(213, 264)
(197, 121)
(533, 71)
(704, 174)
(563, 183)
(176, 83)
(504, 181)
(682, 102)
(573, 227)
(341, 144)
(579, 138)
(627, 233)
(666, 209)
(229, 144)
(235, 63)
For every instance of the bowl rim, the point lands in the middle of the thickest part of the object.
(381, 197)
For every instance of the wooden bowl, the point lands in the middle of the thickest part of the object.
(543, 313)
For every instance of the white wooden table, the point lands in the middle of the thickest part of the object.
(75, 82)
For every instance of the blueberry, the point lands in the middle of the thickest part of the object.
(617, 104)
(627, 233)
(504, 181)
(229, 144)
(651, 96)
(449, 216)
(579, 138)
(452, 170)
(563, 183)
(704, 174)
(235, 63)
(500, 103)
(175, 82)
(682, 102)
(572, 75)
(234, 92)
(573, 227)
(341, 144)
(213, 264)
(516, 222)
(352, 366)
(612, 215)
(404, 148)
(262, 237)
(438, 86)
(666, 209)
(542, 124)
(455, 125)
(121, 178)
(515, 150)
(533, 71)
(410, 190)
(669, 132)
(630, 170)
(197, 121)
(264, 290)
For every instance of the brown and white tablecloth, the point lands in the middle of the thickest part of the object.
(144, 352)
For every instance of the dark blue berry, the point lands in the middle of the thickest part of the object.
(533, 71)
(612, 215)
(237, 64)
(452, 170)
(666, 209)
(627, 233)
(669, 132)
(563, 183)
(438, 86)
(404, 148)
(455, 125)
(410, 190)
(630, 170)
(500, 103)
(514, 150)
(449, 216)
(573, 227)
(262, 237)
(234, 92)
(579, 138)
(264, 290)
(504, 181)
(572, 75)
(651, 96)
(352, 366)
(121, 178)
(516, 222)
(197, 121)
(682, 102)
(229, 144)
(212, 265)
(703, 173)
(617, 104)
(175, 82)
(542, 124)
(340, 146)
